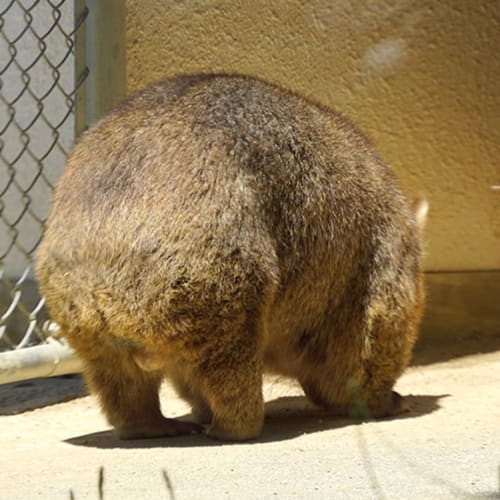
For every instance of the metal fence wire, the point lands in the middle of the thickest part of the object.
(38, 88)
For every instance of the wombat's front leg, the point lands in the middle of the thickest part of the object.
(129, 397)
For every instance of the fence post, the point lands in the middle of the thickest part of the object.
(105, 57)
(81, 70)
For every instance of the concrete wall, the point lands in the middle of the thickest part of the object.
(420, 77)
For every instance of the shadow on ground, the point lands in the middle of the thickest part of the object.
(19, 397)
(286, 418)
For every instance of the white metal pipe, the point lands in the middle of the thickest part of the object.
(46, 360)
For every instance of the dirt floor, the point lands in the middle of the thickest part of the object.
(448, 446)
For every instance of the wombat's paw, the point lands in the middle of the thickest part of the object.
(391, 405)
(399, 404)
(395, 405)
(234, 433)
(162, 428)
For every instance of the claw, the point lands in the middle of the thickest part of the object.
(399, 404)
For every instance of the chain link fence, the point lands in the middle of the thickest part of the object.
(39, 86)
(62, 65)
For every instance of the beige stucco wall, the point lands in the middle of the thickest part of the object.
(420, 77)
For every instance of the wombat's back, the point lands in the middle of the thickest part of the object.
(202, 182)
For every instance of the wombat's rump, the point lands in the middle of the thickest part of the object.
(215, 226)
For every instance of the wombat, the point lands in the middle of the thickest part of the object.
(214, 227)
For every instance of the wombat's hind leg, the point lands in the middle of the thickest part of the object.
(330, 398)
(232, 382)
(129, 396)
(188, 391)
(238, 409)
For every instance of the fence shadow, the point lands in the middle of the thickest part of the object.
(18, 397)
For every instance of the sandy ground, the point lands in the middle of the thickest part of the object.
(448, 446)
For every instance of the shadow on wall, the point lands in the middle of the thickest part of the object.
(427, 354)
(462, 316)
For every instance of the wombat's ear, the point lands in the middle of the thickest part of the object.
(420, 208)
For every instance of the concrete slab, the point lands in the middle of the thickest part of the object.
(448, 446)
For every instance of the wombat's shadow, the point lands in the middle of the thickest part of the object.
(286, 418)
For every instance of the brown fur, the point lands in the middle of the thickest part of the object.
(215, 226)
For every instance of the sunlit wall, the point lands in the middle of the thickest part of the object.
(421, 78)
